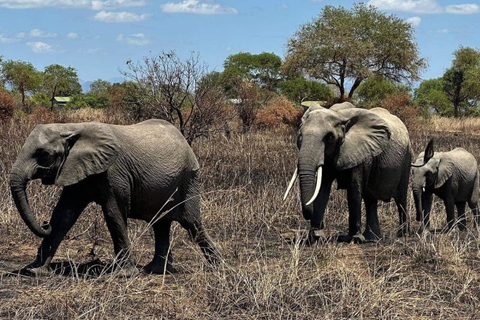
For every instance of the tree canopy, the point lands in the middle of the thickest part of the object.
(22, 76)
(60, 80)
(430, 97)
(348, 46)
(461, 82)
(262, 68)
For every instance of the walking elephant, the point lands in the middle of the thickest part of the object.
(132, 171)
(453, 177)
(367, 151)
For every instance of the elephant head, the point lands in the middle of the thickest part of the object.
(430, 171)
(336, 139)
(60, 154)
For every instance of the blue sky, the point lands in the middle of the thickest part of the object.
(97, 37)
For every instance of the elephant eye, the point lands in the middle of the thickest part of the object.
(41, 153)
(329, 137)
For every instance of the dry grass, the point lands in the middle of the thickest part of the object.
(263, 277)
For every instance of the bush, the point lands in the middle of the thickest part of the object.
(400, 105)
(279, 113)
(7, 105)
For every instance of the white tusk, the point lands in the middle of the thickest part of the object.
(317, 186)
(290, 185)
(423, 189)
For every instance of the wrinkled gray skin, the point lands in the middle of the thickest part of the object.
(130, 171)
(368, 153)
(453, 177)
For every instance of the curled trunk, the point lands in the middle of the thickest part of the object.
(18, 186)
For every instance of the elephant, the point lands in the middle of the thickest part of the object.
(132, 171)
(453, 177)
(367, 152)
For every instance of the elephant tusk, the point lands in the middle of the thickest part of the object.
(290, 185)
(423, 189)
(317, 186)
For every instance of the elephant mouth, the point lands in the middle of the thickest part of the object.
(48, 181)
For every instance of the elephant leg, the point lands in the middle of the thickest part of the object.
(191, 219)
(372, 229)
(66, 212)
(403, 224)
(462, 220)
(117, 226)
(354, 197)
(476, 215)
(450, 208)
(162, 260)
(427, 200)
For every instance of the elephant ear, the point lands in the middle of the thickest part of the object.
(366, 136)
(89, 149)
(445, 169)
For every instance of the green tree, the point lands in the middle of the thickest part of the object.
(461, 82)
(301, 89)
(375, 89)
(100, 87)
(430, 97)
(22, 76)
(60, 81)
(262, 68)
(348, 46)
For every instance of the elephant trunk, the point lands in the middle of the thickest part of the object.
(417, 196)
(18, 186)
(308, 164)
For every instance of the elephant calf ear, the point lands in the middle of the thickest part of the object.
(429, 151)
(445, 169)
(366, 136)
(94, 150)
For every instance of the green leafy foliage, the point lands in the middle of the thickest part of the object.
(429, 97)
(375, 89)
(60, 81)
(22, 76)
(344, 45)
(461, 81)
(301, 89)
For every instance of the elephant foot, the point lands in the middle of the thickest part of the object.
(371, 235)
(159, 266)
(35, 271)
(357, 238)
(314, 236)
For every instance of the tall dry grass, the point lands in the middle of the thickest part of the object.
(263, 276)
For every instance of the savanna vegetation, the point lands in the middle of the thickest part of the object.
(242, 125)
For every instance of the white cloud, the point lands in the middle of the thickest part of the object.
(109, 16)
(424, 6)
(138, 39)
(36, 33)
(195, 7)
(416, 6)
(72, 35)
(414, 21)
(4, 39)
(470, 8)
(71, 4)
(443, 31)
(40, 47)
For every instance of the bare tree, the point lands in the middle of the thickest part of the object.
(179, 91)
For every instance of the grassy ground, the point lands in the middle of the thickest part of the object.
(263, 276)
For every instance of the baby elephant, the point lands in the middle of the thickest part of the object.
(453, 176)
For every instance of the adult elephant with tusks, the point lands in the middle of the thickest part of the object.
(367, 151)
(144, 171)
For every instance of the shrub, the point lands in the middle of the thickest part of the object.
(7, 105)
(280, 112)
(400, 105)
